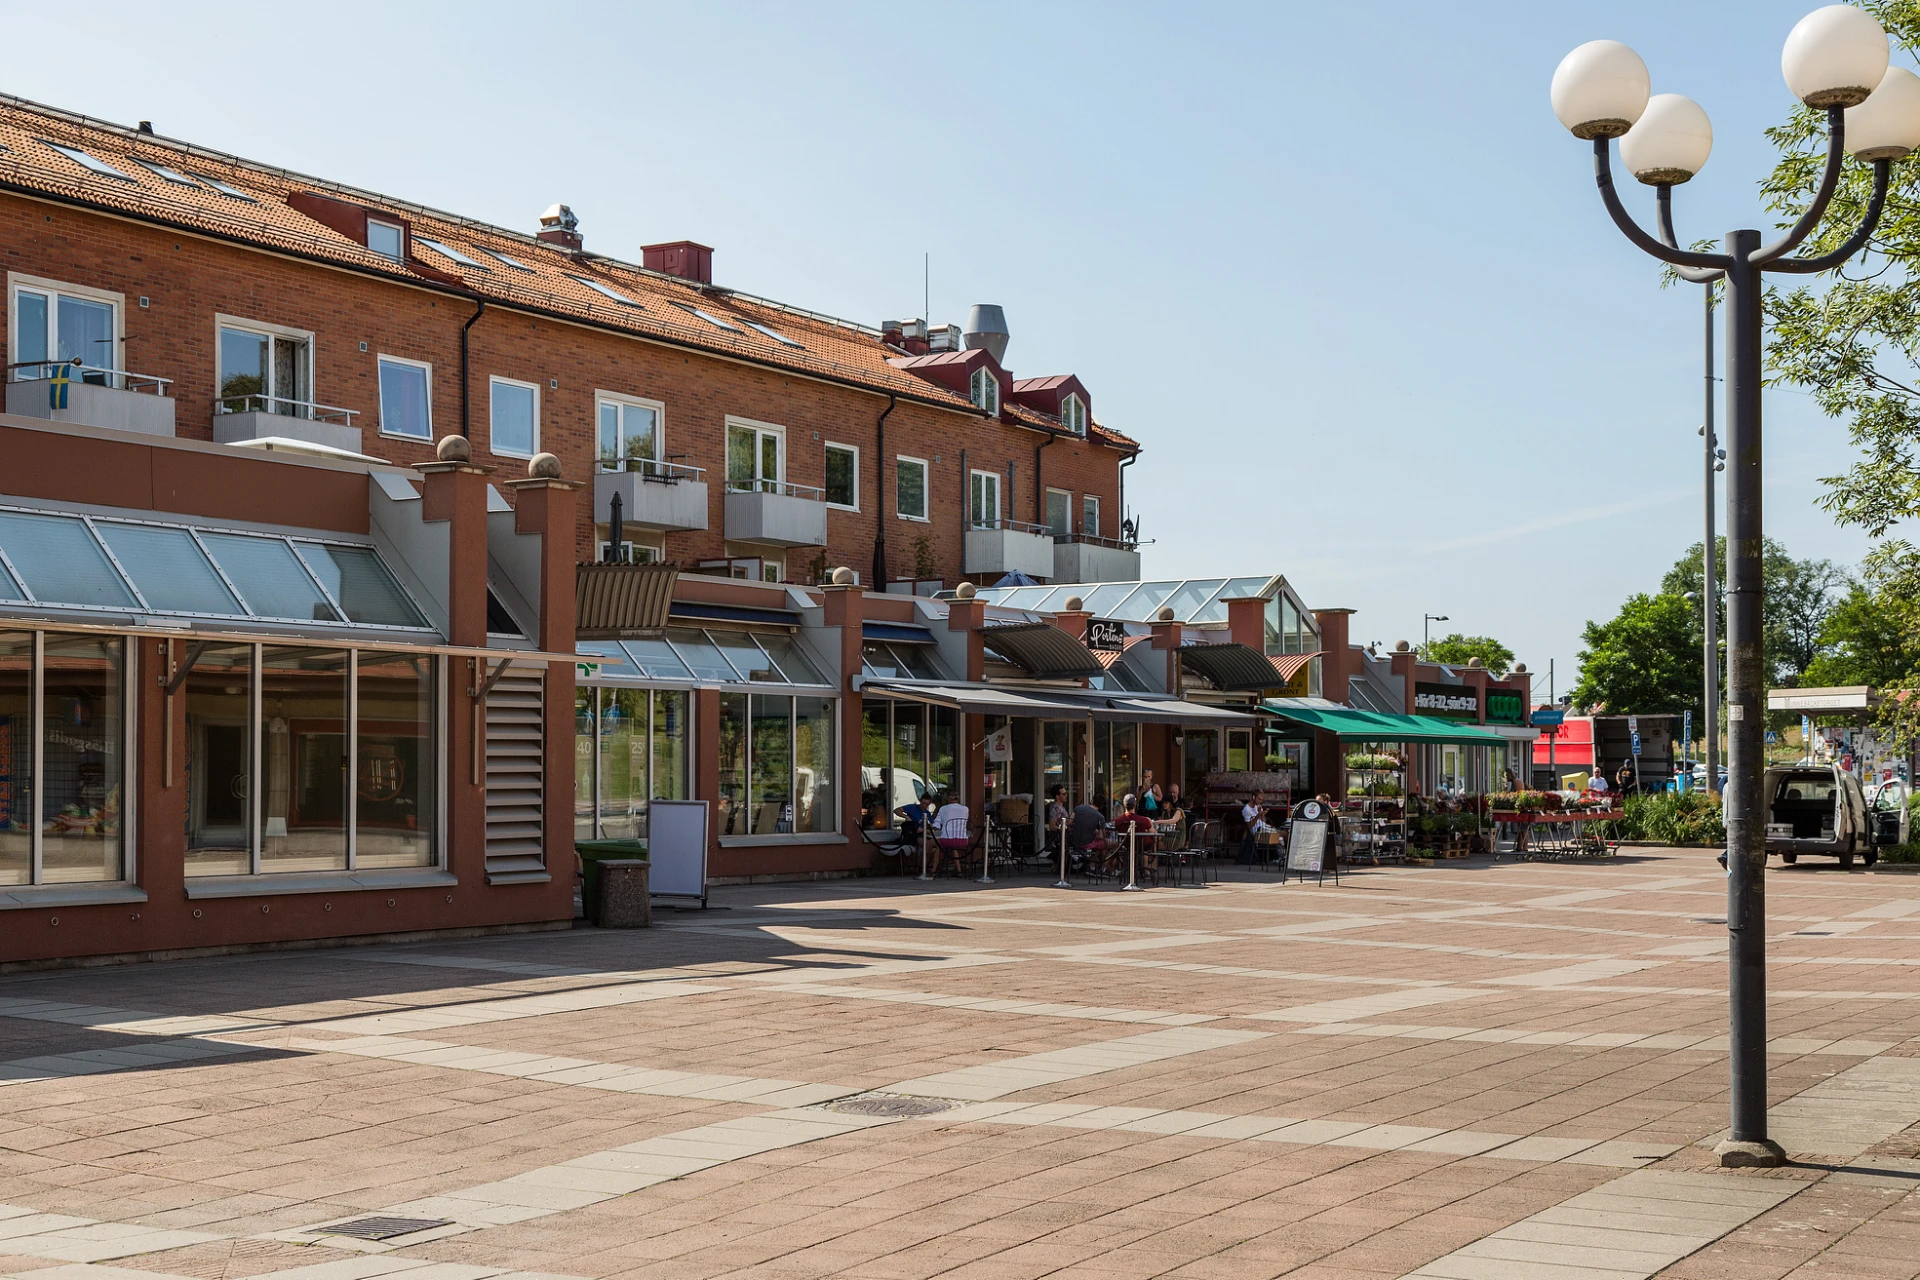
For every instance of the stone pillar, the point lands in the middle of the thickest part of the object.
(1339, 662)
(1166, 637)
(1247, 622)
(844, 606)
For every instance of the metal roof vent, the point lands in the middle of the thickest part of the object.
(987, 331)
(559, 226)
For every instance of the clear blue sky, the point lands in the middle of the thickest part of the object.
(1335, 265)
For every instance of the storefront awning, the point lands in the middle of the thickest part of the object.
(983, 699)
(1381, 726)
(897, 632)
(1042, 650)
(1152, 710)
(617, 601)
(1231, 667)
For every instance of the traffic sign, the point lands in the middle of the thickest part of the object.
(1636, 744)
(1546, 719)
(1772, 736)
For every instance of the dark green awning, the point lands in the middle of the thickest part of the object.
(1381, 726)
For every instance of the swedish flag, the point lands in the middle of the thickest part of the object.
(57, 387)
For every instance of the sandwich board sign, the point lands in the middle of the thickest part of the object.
(1307, 851)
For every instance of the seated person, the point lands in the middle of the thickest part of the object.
(1253, 819)
(1132, 820)
(1088, 832)
(950, 832)
(1056, 808)
(913, 819)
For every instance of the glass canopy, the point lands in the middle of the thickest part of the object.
(1191, 599)
(714, 654)
(100, 562)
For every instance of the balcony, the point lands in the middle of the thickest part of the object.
(239, 418)
(112, 399)
(1008, 546)
(776, 514)
(1080, 557)
(653, 495)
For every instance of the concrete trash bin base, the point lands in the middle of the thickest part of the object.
(624, 900)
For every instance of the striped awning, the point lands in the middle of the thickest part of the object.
(622, 601)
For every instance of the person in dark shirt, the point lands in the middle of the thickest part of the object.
(1089, 831)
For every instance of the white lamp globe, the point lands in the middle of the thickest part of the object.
(1834, 57)
(1887, 125)
(1669, 143)
(1600, 89)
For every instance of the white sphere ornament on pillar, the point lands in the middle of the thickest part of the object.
(1887, 125)
(1669, 143)
(1834, 57)
(1600, 89)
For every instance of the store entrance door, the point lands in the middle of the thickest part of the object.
(1200, 755)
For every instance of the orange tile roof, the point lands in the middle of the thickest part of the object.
(823, 346)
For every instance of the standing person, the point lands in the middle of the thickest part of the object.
(950, 831)
(1597, 782)
(1623, 780)
(1149, 795)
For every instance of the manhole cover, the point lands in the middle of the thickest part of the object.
(892, 1106)
(384, 1228)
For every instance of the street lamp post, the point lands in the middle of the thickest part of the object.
(1426, 631)
(1710, 591)
(1835, 59)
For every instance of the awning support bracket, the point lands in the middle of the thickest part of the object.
(486, 686)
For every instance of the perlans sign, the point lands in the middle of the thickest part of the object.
(1446, 701)
(1106, 637)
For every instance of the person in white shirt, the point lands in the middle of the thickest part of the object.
(1253, 815)
(1597, 783)
(950, 831)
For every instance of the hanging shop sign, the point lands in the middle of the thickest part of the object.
(1106, 636)
(1446, 701)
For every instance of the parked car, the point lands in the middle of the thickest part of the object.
(1817, 809)
(1695, 779)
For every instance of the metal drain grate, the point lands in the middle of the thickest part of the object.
(892, 1106)
(384, 1228)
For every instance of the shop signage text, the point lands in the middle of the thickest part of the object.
(1447, 701)
(1104, 636)
(1505, 706)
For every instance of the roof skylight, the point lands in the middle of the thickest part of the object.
(86, 161)
(777, 337)
(710, 318)
(226, 190)
(604, 290)
(495, 253)
(450, 253)
(171, 175)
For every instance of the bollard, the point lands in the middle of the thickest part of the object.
(986, 847)
(1133, 846)
(1063, 882)
(923, 846)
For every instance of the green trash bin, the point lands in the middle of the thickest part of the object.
(594, 852)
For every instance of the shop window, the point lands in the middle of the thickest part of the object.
(630, 749)
(395, 799)
(303, 709)
(70, 701)
(218, 703)
(1239, 750)
(813, 779)
(909, 752)
(772, 765)
(585, 715)
(776, 765)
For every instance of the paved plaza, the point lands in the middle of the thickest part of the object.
(1471, 1071)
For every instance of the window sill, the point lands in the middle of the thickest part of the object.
(801, 837)
(916, 519)
(841, 506)
(508, 453)
(28, 896)
(271, 884)
(384, 434)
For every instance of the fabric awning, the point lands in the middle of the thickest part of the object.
(1381, 726)
(1042, 650)
(897, 632)
(1233, 668)
(1156, 710)
(983, 699)
(1288, 665)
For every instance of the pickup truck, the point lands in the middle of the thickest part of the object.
(1818, 809)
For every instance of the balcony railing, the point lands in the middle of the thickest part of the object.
(1095, 540)
(284, 407)
(92, 375)
(1015, 526)
(649, 469)
(810, 493)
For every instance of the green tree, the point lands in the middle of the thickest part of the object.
(1457, 650)
(1645, 661)
(1799, 598)
(1872, 638)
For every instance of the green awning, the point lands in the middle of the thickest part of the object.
(1381, 726)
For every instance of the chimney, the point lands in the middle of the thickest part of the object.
(1247, 622)
(559, 226)
(987, 331)
(944, 337)
(681, 258)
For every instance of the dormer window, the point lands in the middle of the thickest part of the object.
(1073, 415)
(986, 390)
(386, 239)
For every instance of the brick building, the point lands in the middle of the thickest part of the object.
(211, 298)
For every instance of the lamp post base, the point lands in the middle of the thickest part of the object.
(1766, 1154)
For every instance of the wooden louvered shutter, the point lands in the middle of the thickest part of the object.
(516, 772)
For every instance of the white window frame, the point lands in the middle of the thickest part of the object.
(1090, 500)
(926, 488)
(39, 284)
(1067, 497)
(494, 379)
(632, 402)
(751, 424)
(1073, 414)
(380, 391)
(983, 378)
(656, 549)
(853, 449)
(398, 228)
(267, 330)
(993, 479)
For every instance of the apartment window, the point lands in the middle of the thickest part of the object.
(1073, 415)
(983, 499)
(1089, 515)
(406, 398)
(986, 390)
(57, 324)
(776, 765)
(387, 239)
(310, 759)
(629, 432)
(264, 368)
(843, 476)
(910, 487)
(63, 748)
(1059, 511)
(754, 459)
(514, 420)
